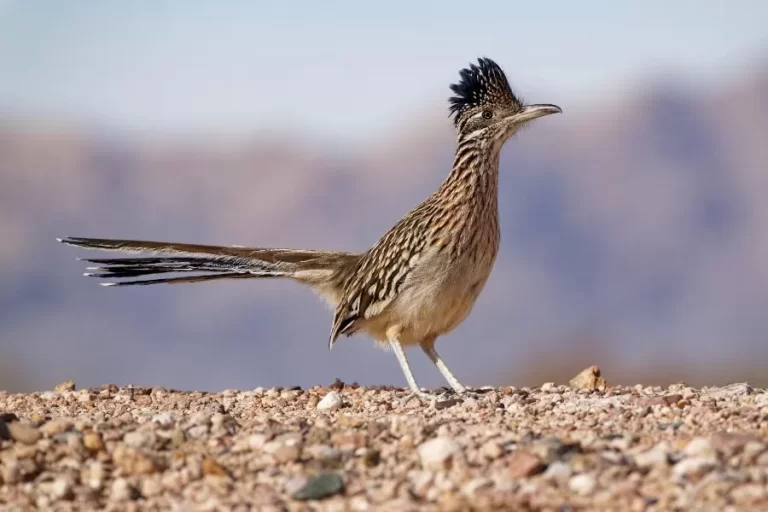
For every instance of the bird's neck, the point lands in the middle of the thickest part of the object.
(475, 174)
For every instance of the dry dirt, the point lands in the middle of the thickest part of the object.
(356, 448)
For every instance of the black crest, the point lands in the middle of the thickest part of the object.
(483, 83)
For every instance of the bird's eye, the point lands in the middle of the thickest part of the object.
(487, 114)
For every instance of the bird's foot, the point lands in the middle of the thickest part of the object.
(426, 397)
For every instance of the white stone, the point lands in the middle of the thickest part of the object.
(583, 484)
(437, 453)
(558, 471)
(61, 488)
(473, 485)
(693, 467)
(138, 439)
(330, 402)
(257, 441)
(121, 490)
(699, 446)
(655, 456)
(164, 419)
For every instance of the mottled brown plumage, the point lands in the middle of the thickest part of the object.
(421, 279)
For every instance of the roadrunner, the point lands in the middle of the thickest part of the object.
(420, 280)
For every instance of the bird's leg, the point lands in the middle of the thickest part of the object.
(429, 349)
(416, 391)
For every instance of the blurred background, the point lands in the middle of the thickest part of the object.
(634, 225)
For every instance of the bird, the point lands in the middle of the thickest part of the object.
(419, 281)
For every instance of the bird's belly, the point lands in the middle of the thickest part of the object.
(433, 305)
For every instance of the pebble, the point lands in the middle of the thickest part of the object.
(699, 447)
(121, 490)
(492, 450)
(23, 432)
(658, 455)
(320, 486)
(749, 493)
(62, 387)
(589, 379)
(471, 487)
(137, 439)
(212, 468)
(56, 426)
(558, 471)
(693, 468)
(438, 453)
(293, 485)
(164, 419)
(330, 402)
(61, 489)
(583, 484)
(523, 463)
(93, 441)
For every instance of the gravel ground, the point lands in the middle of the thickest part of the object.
(357, 448)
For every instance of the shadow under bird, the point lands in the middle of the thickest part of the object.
(420, 280)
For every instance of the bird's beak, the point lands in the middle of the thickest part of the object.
(530, 112)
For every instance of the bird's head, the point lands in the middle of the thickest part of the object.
(485, 108)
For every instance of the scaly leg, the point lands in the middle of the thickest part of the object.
(457, 386)
(416, 391)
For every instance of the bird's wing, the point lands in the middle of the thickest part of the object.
(378, 277)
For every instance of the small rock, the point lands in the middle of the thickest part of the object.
(421, 482)
(491, 450)
(94, 475)
(448, 403)
(583, 484)
(322, 452)
(133, 462)
(285, 448)
(693, 468)
(164, 419)
(67, 385)
(731, 391)
(61, 489)
(320, 486)
(749, 493)
(150, 487)
(371, 457)
(471, 487)
(198, 431)
(730, 443)
(121, 490)
(93, 441)
(558, 471)
(548, 386)
(23, 432)
(698, 447)
(330, 402)
(138, 439)
(660, 401)
(212, 468)
(293, 485)
(56, 426)
(523, 463)
(257, 441)
(438, 453)
(658, 455)
(590, 379)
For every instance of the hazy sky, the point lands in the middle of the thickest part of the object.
(341, 68)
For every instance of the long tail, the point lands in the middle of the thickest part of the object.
(209, 262)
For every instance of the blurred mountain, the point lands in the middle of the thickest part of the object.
(635, 236)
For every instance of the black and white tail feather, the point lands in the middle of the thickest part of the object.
(208, 262)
